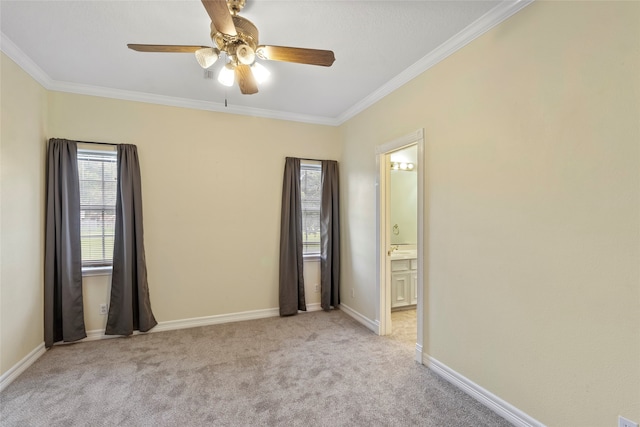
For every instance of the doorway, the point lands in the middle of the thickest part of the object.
(400, 236)
(403, 241)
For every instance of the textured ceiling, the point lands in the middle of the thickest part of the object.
(80, 46)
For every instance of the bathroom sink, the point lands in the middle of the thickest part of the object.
(404, 254)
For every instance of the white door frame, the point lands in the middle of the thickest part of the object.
(383, 239)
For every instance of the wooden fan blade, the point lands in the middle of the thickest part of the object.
(220, 16)
(164, 48)
(296, 54)
(245, 79)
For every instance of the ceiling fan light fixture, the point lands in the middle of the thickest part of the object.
(207, 56)
(237, 38)
(245, 54)
(260, 72)
(227, 75)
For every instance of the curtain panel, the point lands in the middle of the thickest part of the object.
(329, 237)
(291, 282)
(63, 310)
(130, 305)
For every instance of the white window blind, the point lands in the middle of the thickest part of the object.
(310, 194)
(98, 174)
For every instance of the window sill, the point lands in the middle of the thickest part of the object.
(96, 271)
(312, 257)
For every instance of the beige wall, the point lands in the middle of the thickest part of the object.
(533, 210)
(96, 291)
(22, 153)
(211, 186)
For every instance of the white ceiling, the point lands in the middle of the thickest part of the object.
(80, 47)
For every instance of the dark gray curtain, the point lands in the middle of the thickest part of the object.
(130, 307)
(329, 236)
(63, 313)
(291, 272)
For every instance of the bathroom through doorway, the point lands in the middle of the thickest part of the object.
(400, 239)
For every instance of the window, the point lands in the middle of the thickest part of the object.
(98, 174)
(310, 193)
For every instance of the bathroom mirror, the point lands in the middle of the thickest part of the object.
(404, 197)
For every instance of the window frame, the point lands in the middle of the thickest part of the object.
(105, 268)
(311, 165)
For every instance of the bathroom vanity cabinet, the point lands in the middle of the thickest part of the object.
(404, 282)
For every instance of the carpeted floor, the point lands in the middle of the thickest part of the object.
(314, 369)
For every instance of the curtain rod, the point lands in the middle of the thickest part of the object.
(317, 160)
(303, 158)
(99, 143)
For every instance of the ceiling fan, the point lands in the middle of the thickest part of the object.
(237, 37)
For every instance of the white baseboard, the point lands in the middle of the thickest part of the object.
(488, 399)
(314, 307)
(418, 353)
(8, 377)
(172, 325)
(374, 325)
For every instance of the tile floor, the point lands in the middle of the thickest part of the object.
(404, 327)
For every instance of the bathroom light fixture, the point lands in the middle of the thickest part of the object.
(402, 166)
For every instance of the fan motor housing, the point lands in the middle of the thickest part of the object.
(235, 6)
(247, 34)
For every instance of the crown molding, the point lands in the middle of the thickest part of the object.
(19, 57)
(30, 67)
(495, 16)
(483, 24)
(171, 101)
